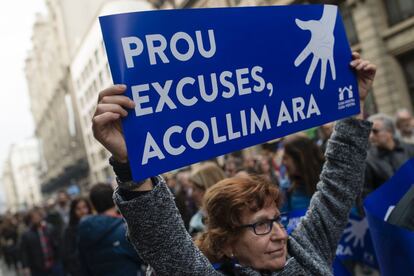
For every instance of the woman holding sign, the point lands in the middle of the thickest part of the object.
(244, 233)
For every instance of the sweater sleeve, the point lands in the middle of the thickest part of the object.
(318, 234)
(156, 230)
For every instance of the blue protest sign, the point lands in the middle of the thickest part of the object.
(356, 242)
(394, 245)
(211, 81)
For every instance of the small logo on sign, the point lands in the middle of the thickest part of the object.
(346, 97)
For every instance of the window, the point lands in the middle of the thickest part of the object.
(100, 76)
(96, 57)
(407, 63)
(109, 175)
(108, 73)
(103, 48)
(102, 154)
(399, 10)
(349, 23)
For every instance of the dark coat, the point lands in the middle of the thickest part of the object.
(104, 248)
(403, 213)
(31, 249)
(382, 164)
(70, 253)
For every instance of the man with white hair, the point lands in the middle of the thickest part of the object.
(386, 154)
(403, 120)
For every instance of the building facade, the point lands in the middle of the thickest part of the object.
(10, 193)
(90, 74)
(63, 158)
(20, 176)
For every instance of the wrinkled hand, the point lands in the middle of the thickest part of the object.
(106, 122)
(356, 231)
(321, 44)
(365, 73)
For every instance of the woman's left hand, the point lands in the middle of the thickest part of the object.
(365, 73)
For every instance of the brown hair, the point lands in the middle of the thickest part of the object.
(206, 175)
(308, 159)
(224, 205)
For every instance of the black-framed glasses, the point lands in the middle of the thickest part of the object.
(375, 131)
(264, 227)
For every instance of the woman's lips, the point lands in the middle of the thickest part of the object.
(277, 252)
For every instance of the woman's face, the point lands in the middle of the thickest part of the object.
(81, 209)
(261, 252)
(288, 162)
(264, 164)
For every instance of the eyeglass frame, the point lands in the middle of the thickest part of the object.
(270, 222)
(375, 131)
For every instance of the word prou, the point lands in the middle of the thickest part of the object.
(156, 45)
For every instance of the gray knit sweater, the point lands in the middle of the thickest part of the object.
(158, 233)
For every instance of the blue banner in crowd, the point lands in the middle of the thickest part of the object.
(355, 244)
(394, 245)
(211, 81)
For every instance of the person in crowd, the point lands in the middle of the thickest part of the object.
(79, 208)
(244, 235)
(250, 164)
(63, 206)
(265, 168)
(303, 160)
(232, 165)
(103, 247)
(185, 191)
(53, 217)
(324, 133)
(40, 247)
(180, 197)
(9, 240)
(202, 178)
(386, 154)
(405, 130)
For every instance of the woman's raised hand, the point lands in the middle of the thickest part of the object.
(106, 122)
(365, 73)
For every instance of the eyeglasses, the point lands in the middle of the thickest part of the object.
(375, 131)
(264, 227)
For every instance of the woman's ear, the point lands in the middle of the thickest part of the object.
(228, 251)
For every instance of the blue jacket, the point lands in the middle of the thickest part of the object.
(104, 249)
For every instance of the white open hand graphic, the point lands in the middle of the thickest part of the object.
(321, 44)
(356, 231)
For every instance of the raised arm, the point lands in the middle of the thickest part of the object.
(154, 224)
(341, 180)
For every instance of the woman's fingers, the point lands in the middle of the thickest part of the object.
(104, 119)
(113, 108)
(113, 90)
(362, 64)
(356, 62)
(356, 55)
(123, 101)
(370, 68)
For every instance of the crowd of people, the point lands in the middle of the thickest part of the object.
(87, 235)
(71, 236)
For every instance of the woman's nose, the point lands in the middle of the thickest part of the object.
(278, 231)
